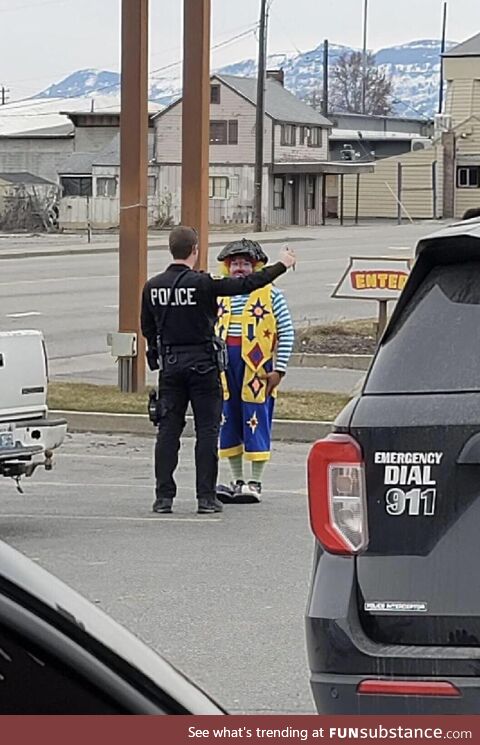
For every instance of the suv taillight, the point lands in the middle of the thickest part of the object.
(336, 494)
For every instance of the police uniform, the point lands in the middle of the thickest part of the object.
(190, 371)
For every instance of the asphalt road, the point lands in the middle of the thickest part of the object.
(74, 299)
(222, 597)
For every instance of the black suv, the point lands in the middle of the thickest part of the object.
(393, 618)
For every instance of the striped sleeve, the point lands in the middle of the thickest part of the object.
(285, 330)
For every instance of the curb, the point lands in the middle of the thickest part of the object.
(337, 361)
(284, 430)
(99, 250)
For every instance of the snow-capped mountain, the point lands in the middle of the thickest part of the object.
(414, 67)
(83, 83)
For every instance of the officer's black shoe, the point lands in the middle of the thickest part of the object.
(163, 506)
(209, 506)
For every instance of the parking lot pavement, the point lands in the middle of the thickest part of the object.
(221, 597)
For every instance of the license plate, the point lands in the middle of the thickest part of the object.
(6, 441)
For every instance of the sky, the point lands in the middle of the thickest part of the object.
(42, 41)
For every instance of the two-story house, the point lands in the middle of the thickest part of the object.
(295, 146)
(461, 122)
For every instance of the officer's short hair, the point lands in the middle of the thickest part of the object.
(181, 241)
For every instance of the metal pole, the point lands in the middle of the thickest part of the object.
(341, 198)
(442, 50)
(382, 318)
(89, 222)
(357, 198)
(133, 182)
(364, 57)
(196, 121)
(324, 198)
(325, 79)
(399, 193)
(434, 189)
(262, 62)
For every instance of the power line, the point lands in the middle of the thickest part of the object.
(152, 76)
(287, 34)
(412, 108)
(221, 44)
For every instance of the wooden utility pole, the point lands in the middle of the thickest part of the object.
(364, 57)
(133, 184)
(260, 118)
(449, 149)
(196, 121)
(442, 50)
(325, 79)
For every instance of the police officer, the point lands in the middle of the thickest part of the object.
(179, 311)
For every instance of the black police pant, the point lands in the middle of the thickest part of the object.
(188, 379)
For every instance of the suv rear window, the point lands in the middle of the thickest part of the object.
(435, 345)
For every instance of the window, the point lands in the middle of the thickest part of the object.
(214, 94)
(279, 193)
(233, 132)
(288, 134)
(224, 132)
(106, 187)
(234, 186)
(76, 186)
(218, 187)
(301, 140)
(315, 137)
(422, 355)
(468, 177)
(152, 186)
(218, 133)
(311, 192)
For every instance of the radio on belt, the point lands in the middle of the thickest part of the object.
(122, 343)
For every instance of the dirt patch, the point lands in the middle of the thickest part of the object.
(342, 337)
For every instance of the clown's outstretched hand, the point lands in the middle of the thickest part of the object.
(288, 257)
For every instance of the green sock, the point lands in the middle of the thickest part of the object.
(257, 469)
(236, 465)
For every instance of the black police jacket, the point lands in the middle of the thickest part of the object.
(192, 312)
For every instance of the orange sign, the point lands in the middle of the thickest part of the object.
(378, 280)
(373, 278)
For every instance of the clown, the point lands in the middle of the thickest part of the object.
(258, 331)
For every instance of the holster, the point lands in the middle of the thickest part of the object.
(153, 406)
(220, 353)
(153, 359)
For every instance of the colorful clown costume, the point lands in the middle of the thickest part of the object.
(259, 334)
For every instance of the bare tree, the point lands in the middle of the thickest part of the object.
(347, 85)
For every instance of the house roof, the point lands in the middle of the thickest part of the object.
(77, 163)
(63, 131)
(23, 177)
(110, 154)
(83, 163)
(369, 135)
(280, 104)
(468, 48)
